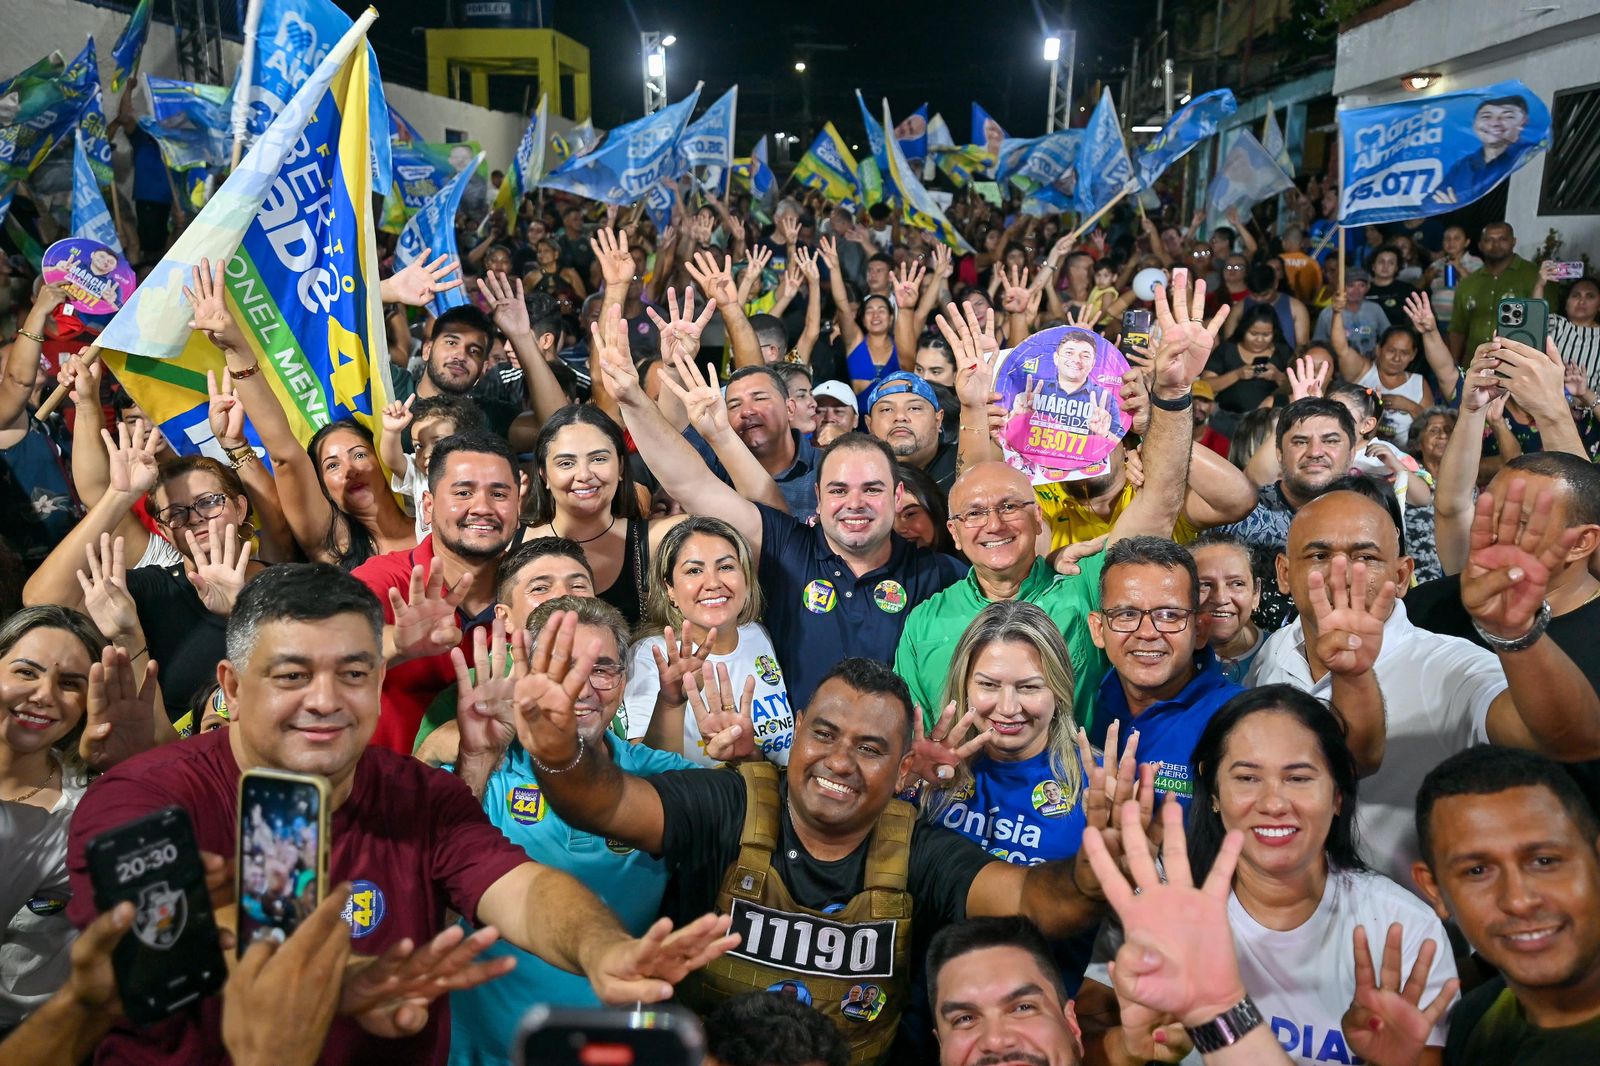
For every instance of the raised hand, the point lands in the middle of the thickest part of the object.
(1134, 396)
(1105, 793)
(221, 566)
(701, 228)
(714, 280)
(1419, 308)
(81, 377)
(791, 280)
(788, 231)
(750, 281)
(611, 250)
(397, 416)
(425, 620)
(609, 343)
(1100, 414)
(973, 346)
(829, 247)
(132, 466)
(680, 333)
(808, 263)
(644, 970)
(702, 401)
(936, 755)
(1015, 294)
(224, 410)
(1482, 386)
(120, 722)
(1185, 333)
(908, 284)
(208, 297)
(1533, 378)
(1514, 550)
(1349, 623)
(105, 590)
(506, 303)
(390, 997)
(421, 280)
(1066, 559)
(546, 696)
(678, 659)
(485, 695)
(727, 725)
(1386, 1022)
(1308, 377)
(943, 268)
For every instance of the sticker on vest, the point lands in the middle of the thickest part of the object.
(863, 1003)
(819, 597)
(795, 990)
(44, 906)
(365, 908)
(890, 596)
(617, 847)
(767, 669)
(525, 804)
(1049, 800)
(161, 914)
(1174, 777)
(804, 943)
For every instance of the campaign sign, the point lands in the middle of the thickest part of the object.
(97, 280)
(1060, 390)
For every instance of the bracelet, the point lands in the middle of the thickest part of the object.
(1227, 1028)
(134, 655)
(1048, 266)
(244, 458)
(1173, 405)
(576, 759)
(1541, 622)
(240, 375)
(37, 338)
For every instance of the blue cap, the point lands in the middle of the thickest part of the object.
(901, 381)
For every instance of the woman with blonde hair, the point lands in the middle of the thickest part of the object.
(703, 609)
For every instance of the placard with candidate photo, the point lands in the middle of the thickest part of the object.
(1061, 392)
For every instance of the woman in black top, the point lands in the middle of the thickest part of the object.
(1387, 290)
(1249, 367)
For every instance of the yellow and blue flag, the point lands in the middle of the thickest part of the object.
(401, 131)
(421, 170)
(125, 53)
(985, 130)
(48, 100)
(1191, 124)
(829, 168)
(917, 207)
(707, 142)
(878, 182)
(92, 135)
(292, 226)
(527, 167)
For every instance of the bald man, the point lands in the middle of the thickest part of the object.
(1440, 694)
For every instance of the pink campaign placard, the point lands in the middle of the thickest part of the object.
(1060, 390)
(97, 280)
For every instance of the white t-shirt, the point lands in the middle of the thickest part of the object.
(1398, 421)
(159, 552)
(36, 943)
(754, 657)
(411, 484)
(1436, 693)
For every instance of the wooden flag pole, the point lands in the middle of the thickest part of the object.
(50, 404)
(1088, 223)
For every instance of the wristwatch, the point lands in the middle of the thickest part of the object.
(1226, 1028)
(1541, 622)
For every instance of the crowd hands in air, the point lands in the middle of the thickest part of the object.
(678, 554)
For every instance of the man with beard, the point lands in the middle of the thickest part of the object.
(1504, 273)
(453, 362)
(904, 413)
(761, 412)
(436, 593)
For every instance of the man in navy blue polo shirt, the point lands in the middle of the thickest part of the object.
(842, 587)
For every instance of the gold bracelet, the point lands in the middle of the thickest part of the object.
(37, 338)
(251, 371)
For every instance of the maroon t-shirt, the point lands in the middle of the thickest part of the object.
(410, 838)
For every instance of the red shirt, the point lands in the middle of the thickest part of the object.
(411, 839)
(1215, 441)
(409, 687)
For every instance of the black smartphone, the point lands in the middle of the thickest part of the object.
(653, 1036)
(1135, 330)
(171, 956)
(1526, 321)
(282, 862)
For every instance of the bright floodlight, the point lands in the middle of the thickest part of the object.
(1052, 49)
(800, 66)
(656, 64)
(669, 40)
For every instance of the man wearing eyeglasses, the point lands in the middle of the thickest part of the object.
(1164, 681)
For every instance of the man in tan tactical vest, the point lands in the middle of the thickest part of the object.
(832, 883)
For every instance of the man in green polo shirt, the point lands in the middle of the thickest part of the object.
(1504, 273)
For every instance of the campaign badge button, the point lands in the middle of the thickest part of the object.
(890, 596)
(820, 597)
(863, 1003)
(365, 909)
(767, 669)
(1049, 799)
(525, 804)
(795, 990)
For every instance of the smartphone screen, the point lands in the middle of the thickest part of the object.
(282, 853)
(171, 956)
(1135, 329)
(657, 1036)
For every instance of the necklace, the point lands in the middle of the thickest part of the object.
(34, 792)
(596, 537)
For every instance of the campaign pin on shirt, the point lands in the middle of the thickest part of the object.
(767, 669)
(365, 909)
(863, 1003)
(890, 596)
(820, 597)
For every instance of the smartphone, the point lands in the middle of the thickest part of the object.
(1527, 321)
(282, 854)
(661, 1035)
(1569, 271)
(171, 956)
(1135, 330)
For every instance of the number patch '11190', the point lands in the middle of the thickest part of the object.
(808, 944)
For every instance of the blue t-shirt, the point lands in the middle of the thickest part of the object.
(483, 1020)
(1168, 729)
(859, 366)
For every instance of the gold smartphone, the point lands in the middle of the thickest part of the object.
(282, 857)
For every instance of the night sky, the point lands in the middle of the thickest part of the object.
(943, 52)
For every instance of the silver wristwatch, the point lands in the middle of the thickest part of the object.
(1226, 1028)
(1541, 622)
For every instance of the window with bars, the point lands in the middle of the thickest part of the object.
(1572, 171)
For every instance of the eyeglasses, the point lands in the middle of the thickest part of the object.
(605, 676)
(208, 506)
(1129, 619)
(1006, 509)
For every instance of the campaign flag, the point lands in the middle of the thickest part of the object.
(939, 134)
(708, 140)
(1248, 175)
(401, 131)
(754, 173)
(526, 166)
(40, 106)
(1191, 124)
(125, 53)
(96, 145)
(635, 156)
(879, 183)
(291, 39)
(985, 130)
(1425, 157)
(1035, 162)
(292, 229)
(90, 218)
(1104, 169)
(659, 204)
(963, 164)
(917, 207)
(422, 170)
(829, 167)
(912, 135)
(1272, 140)
(189, 122)
(434, 228)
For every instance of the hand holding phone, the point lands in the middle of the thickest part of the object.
(1525, 321)
(282, 852)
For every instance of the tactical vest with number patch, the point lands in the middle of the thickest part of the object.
(853, 965)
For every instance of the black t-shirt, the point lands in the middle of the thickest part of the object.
(186, 640)
(1392, 298)
(1436, 606)
(943, 467)
(705, 817)
(1247, 393)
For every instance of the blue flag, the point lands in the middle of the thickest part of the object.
(885, 189)
(293, 38)
(47, 103)
(1104, 170)
(1247, 176)
(634, 157)
(1033, 162)
(125, 53)
(985, 130)
(659, 204)
(189, 121)
(916, 206)
(1191, 124)
(434, 228)
(912, 135)
(708, 140)
(89, 215)
(92, 135)
(1425, 157)
(401, 131)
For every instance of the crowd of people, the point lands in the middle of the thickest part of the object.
(679, 630)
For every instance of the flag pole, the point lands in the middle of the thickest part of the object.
(247, 73)
(49, 406)
(1088, 223)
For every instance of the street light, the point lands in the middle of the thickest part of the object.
(1061, 63)
(653, 47)
(656, 64)
(669, 40)
(1052, 49)
(800, 66)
